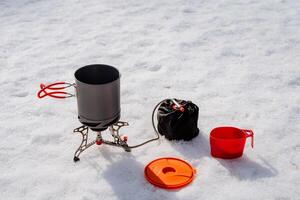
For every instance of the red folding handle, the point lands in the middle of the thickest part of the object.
(51, 90)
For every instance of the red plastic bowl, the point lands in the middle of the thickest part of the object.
(229, 142)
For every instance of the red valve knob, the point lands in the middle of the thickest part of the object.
(125, 138)
(98, 142)
(175, 107)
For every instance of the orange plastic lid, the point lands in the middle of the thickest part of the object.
(169, 173)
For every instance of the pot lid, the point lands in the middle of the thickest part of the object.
(169, 173)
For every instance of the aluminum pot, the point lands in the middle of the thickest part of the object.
(98, 95)
(97, 89)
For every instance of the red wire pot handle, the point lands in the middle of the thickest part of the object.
(249, 133)
(51, 90)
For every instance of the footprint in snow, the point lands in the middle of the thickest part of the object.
(46, 139)
(154, 68)
(144, 43)
(295, 82)
(188, 10)
(20, 94)
(147, 66)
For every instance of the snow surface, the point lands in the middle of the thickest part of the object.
(239, 61)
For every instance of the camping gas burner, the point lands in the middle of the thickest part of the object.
(97, 90)
(118, 140)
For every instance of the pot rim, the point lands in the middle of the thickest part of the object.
(94, 65)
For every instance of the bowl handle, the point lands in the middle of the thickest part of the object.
(249, 133)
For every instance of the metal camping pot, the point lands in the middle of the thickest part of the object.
(98, 95)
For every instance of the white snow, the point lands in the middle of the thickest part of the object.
(238, 60)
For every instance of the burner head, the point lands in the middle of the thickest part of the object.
(98, 95)
(102, 126)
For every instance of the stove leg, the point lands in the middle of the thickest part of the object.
(83, 130)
